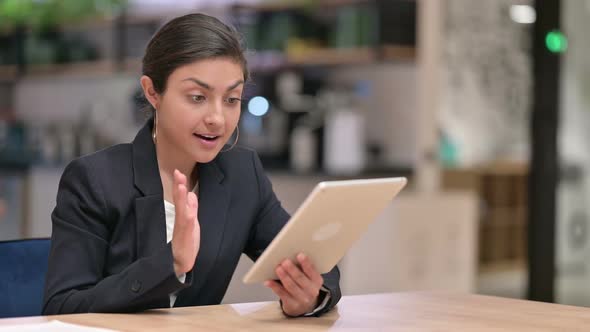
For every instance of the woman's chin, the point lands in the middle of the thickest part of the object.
(204, 157)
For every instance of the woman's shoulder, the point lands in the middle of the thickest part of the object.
(108, 157)
(112, 161)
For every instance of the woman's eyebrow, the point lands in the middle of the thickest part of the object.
(235, 85)
(209, 87)
(198, 82)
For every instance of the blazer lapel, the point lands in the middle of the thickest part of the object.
(214, 198)
(213, 204)
(151, 225)
(149, 208)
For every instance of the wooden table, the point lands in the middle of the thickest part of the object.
(421, 311)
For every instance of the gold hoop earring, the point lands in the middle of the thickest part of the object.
(155, 130)
(235, 141)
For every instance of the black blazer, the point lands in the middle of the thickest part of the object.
(108, 246)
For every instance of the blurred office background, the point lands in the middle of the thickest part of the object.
(462, 97)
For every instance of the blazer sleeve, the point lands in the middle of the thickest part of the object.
(270, 219)
(75, 281)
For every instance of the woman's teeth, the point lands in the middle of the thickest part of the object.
(207, 137)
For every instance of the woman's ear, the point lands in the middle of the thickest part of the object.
(149, 92)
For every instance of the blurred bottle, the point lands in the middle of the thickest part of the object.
(448, 152)
(344, 134)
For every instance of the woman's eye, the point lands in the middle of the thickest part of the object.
(233, 100)
(198, 98)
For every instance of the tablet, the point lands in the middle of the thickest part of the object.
(325, 226)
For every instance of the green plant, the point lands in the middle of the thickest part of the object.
(43, 13)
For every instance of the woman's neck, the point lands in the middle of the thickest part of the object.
(170, 159)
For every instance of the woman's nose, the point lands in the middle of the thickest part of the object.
(215, 116)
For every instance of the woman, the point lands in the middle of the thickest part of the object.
(163, 221)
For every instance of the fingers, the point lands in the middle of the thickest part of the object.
(192, 206)
(179, 193)
(299, 286)
(279, 290)
(179, 178)
(186, 236)
(310, 270)
(180, 201)
(305, 282)
(300, 294)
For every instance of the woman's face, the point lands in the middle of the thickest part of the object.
(200, 108)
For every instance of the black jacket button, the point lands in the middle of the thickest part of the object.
(135, 286)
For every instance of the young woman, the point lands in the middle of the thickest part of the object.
(162, 221)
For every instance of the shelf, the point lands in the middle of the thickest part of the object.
(328, 56)
(78, 69)
(352, 56)
(503, 265)
(264, 61)
(398, 53)
(269, 61)
(495, 168)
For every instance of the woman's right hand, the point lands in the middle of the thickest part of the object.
(186, 236)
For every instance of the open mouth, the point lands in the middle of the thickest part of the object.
(209, 138)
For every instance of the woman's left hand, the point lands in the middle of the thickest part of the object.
(299, 286)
